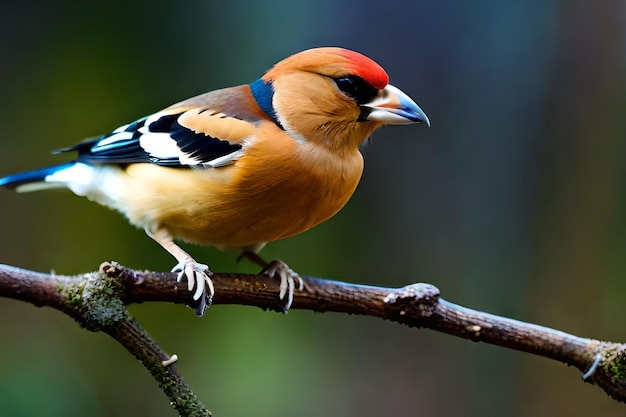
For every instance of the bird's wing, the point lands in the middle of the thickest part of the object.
(180, 136)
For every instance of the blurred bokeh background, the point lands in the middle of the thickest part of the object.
(513, 203)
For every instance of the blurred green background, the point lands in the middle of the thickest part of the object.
(513, 203)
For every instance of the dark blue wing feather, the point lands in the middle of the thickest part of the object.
(118, 147)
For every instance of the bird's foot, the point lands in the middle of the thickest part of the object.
(198, 277)
(288, 279)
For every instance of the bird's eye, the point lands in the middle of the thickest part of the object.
(347, 85)
(357, 88)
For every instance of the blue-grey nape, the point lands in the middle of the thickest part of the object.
(263, 93)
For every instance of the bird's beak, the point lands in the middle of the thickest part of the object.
(393, 107)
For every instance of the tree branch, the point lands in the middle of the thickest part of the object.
(97, 302)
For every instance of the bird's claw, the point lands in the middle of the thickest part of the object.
(288, 278)
(198, 277)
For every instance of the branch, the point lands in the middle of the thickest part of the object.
(97, 302)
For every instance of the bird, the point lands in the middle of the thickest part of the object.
(238, 167)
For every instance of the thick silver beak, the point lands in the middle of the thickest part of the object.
(393, 107)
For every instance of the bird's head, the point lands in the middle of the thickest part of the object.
(336, 97)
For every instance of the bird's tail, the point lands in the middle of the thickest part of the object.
(40, 179)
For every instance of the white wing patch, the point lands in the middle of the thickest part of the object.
(167, 146)
(162, 146)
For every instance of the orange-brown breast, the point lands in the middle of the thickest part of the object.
(279, 188)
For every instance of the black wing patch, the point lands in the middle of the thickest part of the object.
(197, 146)
(163, 141)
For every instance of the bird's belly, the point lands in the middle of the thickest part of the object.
(243, 221)
(222, 210)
